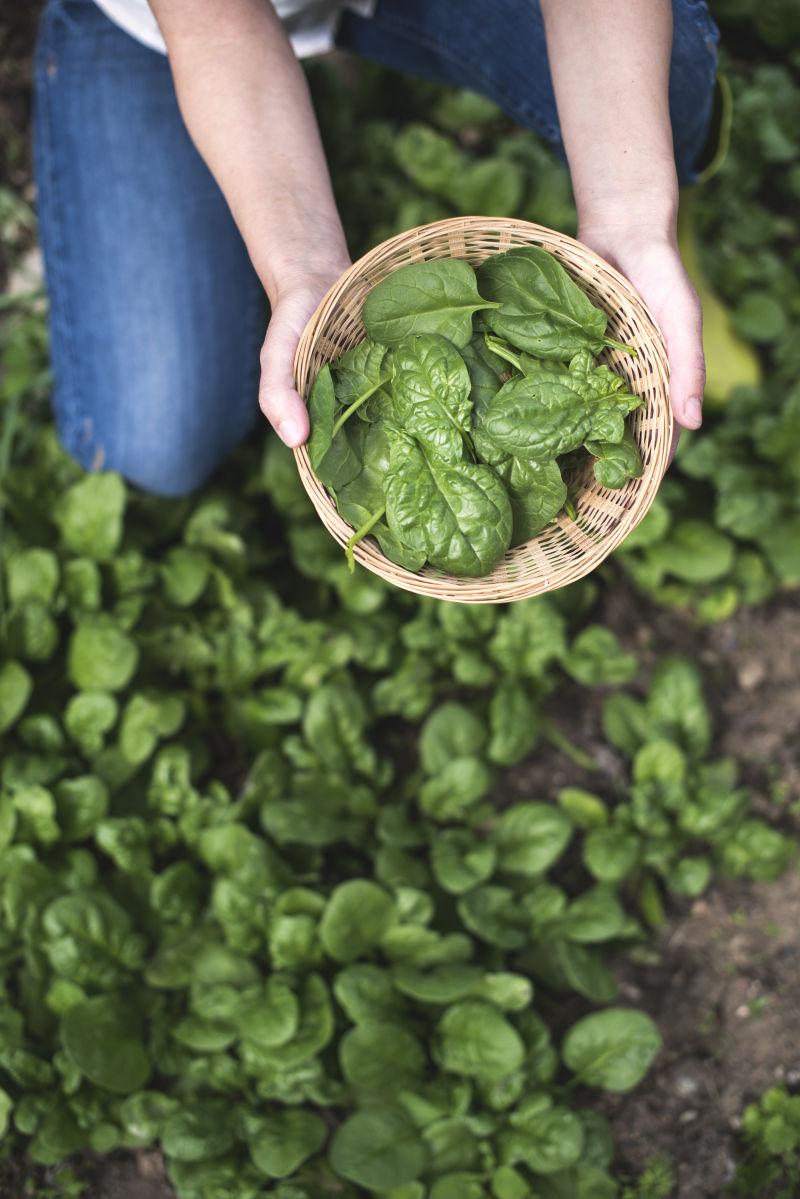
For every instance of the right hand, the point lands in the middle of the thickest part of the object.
(293, 306)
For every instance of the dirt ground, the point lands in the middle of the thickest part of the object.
(724, 987)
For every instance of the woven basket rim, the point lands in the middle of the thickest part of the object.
(526, 569)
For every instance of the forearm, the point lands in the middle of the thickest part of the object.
(610, 68)
(246, 105)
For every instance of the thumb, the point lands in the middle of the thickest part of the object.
(277, 394)
(682, 325)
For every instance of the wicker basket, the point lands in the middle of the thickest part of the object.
(567, 549)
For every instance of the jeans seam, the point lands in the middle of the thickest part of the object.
(61, 319)
(411, 32)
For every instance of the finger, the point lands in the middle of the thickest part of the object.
(676, 436)
(682, 326)
(277, 396)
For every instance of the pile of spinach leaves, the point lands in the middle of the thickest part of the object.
(473, 394)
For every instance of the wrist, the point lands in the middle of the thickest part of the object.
(302, 263)
(634, 214)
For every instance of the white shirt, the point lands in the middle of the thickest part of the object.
(311, 24)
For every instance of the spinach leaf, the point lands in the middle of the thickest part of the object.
(612, 1049)
(360, 499)
(358, 369)
(608, 393)
(321, 415)
(486, 377)
(364, 369)
(424, 297)
(538, 417)
(431, 391)
(525, 364)
(457, 514)
(334, 453)
(616, 461)
(541, 309)
(537, 493)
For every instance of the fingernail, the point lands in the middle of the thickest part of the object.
(291, 431)
(693, 413)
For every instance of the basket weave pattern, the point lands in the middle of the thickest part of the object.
(567, 549)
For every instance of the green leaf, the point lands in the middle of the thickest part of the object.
(596, 915)
(596, 657)
(16, 686)
(99, 1035)
(355, 919)
(321, 412)
(88, 716)
(458, 1185)
(584, 809)
(378, 1149)
(424, 297)
(530, 837)
(380, 1057)
(197, 1132)
(467, 525)
(148, 716)
(550, 1141)
(90, 515)
(760, 317)
(611, 854)
(6, 1107)
(32, 575)
(514, 723)
(366, 994)
(185, 574)
(537, 493)
(451, 731)
(101, 656)
(781, 544)
(460, 861)
(616, 461)
(282, 1141)
(612, 1049)
(431, 393)
(476, 1040)
(271, 1017)
(676, 707)
(541, 309)
(695, 552)
(508, 1183)
(456, 788)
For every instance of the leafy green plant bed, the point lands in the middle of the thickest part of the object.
(267, 899)
(249, 919)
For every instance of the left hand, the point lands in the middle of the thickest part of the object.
(653, 265)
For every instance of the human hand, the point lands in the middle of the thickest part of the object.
(653, 265)
(294, 303)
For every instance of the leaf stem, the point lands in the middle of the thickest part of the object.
(620, 345)
(359, 534)
(356, 404)
(496, 346)
(574, 752)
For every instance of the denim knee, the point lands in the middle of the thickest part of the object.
(164, 436)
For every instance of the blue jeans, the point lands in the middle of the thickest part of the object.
(156, 313)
